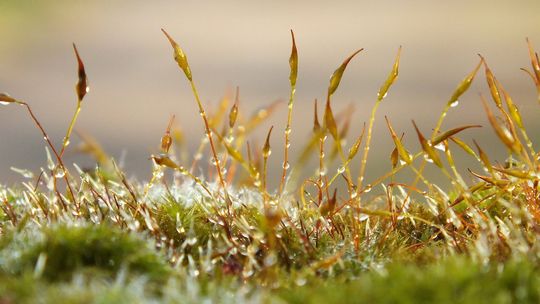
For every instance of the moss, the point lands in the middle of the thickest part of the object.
(192, 220)
(67, 249)
(453, 281)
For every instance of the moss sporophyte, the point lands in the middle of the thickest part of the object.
(212, 227)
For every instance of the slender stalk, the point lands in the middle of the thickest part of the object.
(65, 143)
(366, 147)
(287, 139)
(208, 132)
(58, 157)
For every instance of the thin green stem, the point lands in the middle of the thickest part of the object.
(287, 139)
(65, 143)
(367, 145)
(208, 132)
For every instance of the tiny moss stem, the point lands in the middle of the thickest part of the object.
(366, 147)
(287, 139)
(65, 143)
(208, 132)
(58, 157)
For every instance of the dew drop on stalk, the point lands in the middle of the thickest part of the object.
(440, 147)
(454, 104)
(191, 241)
(286, 165)
(368, 188)
(428, 159)
(354, 194)
(288, 130)
(180, 229)
(340, 170)
(59, 172)
(4, 103)
(288, 145)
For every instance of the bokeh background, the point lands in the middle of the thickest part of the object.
(136, 86)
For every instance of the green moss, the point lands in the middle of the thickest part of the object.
(177, 221)
(66, 249)
(452, 281)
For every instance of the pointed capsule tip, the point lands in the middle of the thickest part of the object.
(171, 40)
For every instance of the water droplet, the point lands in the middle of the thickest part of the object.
(368, 188)
(454, 104)
(428, 159)
(286, 165)
(59, 172)
(67, 142)
(180, 229)
(270, 260)
(288, 130)
(440, 147)
(340, 170)
(191, 241)
(4, 103)
(300, 281)
(288, 145)
(354, 194)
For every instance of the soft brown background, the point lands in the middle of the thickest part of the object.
(135, 85)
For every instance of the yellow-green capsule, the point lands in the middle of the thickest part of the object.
(338, 73)
(405, 156)
(293, 61)
(391, 78)
(463, 86)
(179, 56)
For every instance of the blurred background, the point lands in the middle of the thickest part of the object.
(136, 85)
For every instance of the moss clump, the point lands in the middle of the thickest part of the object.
(101, 249)
(178, 222)
(457, 280)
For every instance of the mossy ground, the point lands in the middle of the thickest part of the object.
(74, 236)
